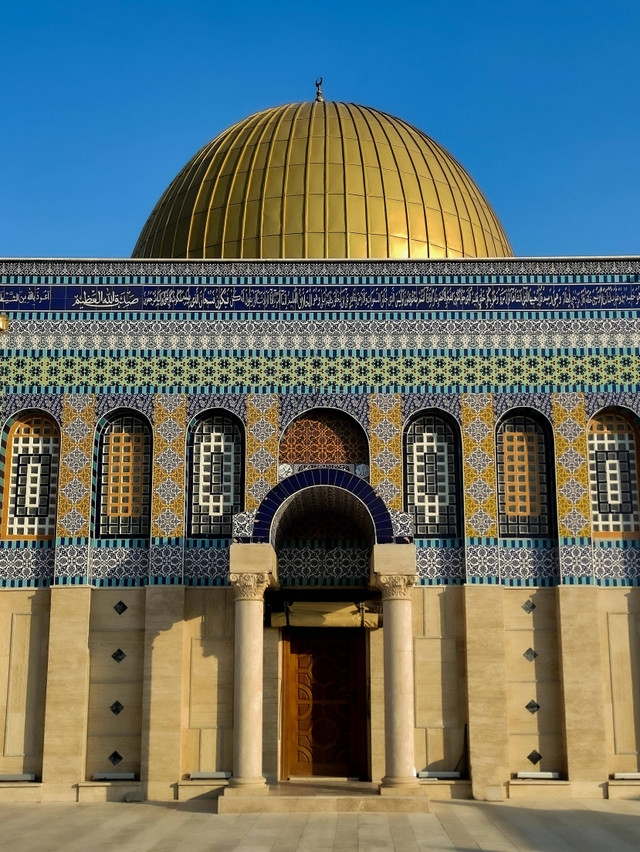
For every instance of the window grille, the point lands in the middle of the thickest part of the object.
(432, 477)
(215, 482)
(523, 479)
(124, 475)
(613, 476)
(31, 484)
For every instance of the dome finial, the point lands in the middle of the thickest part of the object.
(319, 95)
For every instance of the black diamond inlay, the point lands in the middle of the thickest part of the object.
(119, 655)
(534, 757)
(532, 706)
(120, 607)
(116, 708)
(530, 654)
(115, 758)
(528, 606)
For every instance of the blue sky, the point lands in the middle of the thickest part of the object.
(102, 104)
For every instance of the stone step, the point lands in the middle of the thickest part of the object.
(274, 804)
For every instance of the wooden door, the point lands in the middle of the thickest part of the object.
(325, 724)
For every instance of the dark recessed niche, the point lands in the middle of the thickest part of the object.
(115, 758)
(120, 607)
(530, 654)
(532, 706)
(534, 757)
(528, 606)
(118, 655)
(116, 708)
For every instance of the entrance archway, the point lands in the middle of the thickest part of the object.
(323, 537)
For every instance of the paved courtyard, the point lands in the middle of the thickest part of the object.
(584, 825)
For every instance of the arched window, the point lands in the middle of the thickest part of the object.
(31, 478)
(124, 477)
(432, 477)
(215, 482)
(325, 438)
(525, 475)
(613, 475)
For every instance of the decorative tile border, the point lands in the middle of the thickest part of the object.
(262, 447)
(26, 563)
(332, 370)
(572, 474)
(479, 472)
(385, 443)
(76, 465)
(439, 563)
(308, 332)
(169, 453)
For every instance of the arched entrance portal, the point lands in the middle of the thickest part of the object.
(323, 537)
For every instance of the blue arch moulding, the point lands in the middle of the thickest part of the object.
(323, 476)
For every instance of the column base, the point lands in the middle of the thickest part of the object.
(401, 786)
(247, 787)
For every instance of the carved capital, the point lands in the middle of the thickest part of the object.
(395, 586)
(249, 587)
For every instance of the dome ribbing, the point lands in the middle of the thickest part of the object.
(322, 180)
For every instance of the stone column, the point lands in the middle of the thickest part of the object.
(394, 573)
(65, 720)
(249, 585)
(582, 673)
(162, 691)
(487, 690)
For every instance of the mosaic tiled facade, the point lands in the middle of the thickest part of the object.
(381, 343)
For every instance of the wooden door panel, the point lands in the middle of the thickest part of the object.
(324, 706)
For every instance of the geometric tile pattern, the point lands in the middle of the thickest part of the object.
(483, 563)
(205, 564)
(576, 560)
(118, 563)
(479, 465)
(76, 465)
(572, 474)
(440, 565)
(293, 404)
(320, 437)
(28, 565)
(312, 332)
(262, 447)
(538, 565)
(331, 371)
(508, 349)
(323, 566)
(385, 415)
(169, 432)
(165, 562)
(614, 562)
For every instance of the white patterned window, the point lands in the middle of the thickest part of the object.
(432, 480)
(31, 484)
(124, 477)
(215, 483)
(523, 469)
(613, 475)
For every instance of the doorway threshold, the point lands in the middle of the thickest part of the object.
(323, 795)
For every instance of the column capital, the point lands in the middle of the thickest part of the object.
(249, 586)
(395, 586)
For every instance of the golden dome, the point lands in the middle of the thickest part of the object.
(322, 180)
